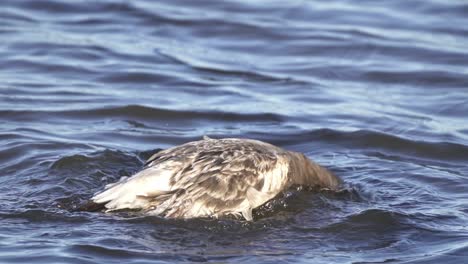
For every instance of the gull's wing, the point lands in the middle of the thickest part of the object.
(208, 177)
(231, 175)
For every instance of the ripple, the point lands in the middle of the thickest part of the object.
(38, 215)
(138, 112)
(365, 139)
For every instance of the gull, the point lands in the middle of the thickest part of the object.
(213, 178)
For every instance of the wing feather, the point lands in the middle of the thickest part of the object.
(232, 177)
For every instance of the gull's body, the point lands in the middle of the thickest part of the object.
(213, 177)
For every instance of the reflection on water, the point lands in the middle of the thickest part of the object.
(375, 91)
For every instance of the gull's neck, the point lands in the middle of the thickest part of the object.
(303, 171)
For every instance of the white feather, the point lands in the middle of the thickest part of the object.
(130, 193)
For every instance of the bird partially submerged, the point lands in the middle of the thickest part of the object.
(213, 177)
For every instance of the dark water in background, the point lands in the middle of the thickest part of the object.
(375, 90)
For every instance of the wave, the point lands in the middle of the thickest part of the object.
(372, 140)
(140, 112)
(40, 215)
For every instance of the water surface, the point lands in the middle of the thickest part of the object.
(375, 91)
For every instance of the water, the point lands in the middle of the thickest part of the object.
(377, 91)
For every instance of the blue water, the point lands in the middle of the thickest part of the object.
(377, 91)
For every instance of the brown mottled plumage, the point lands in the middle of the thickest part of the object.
(213, 177)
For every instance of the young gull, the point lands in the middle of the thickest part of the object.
(212, 178)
